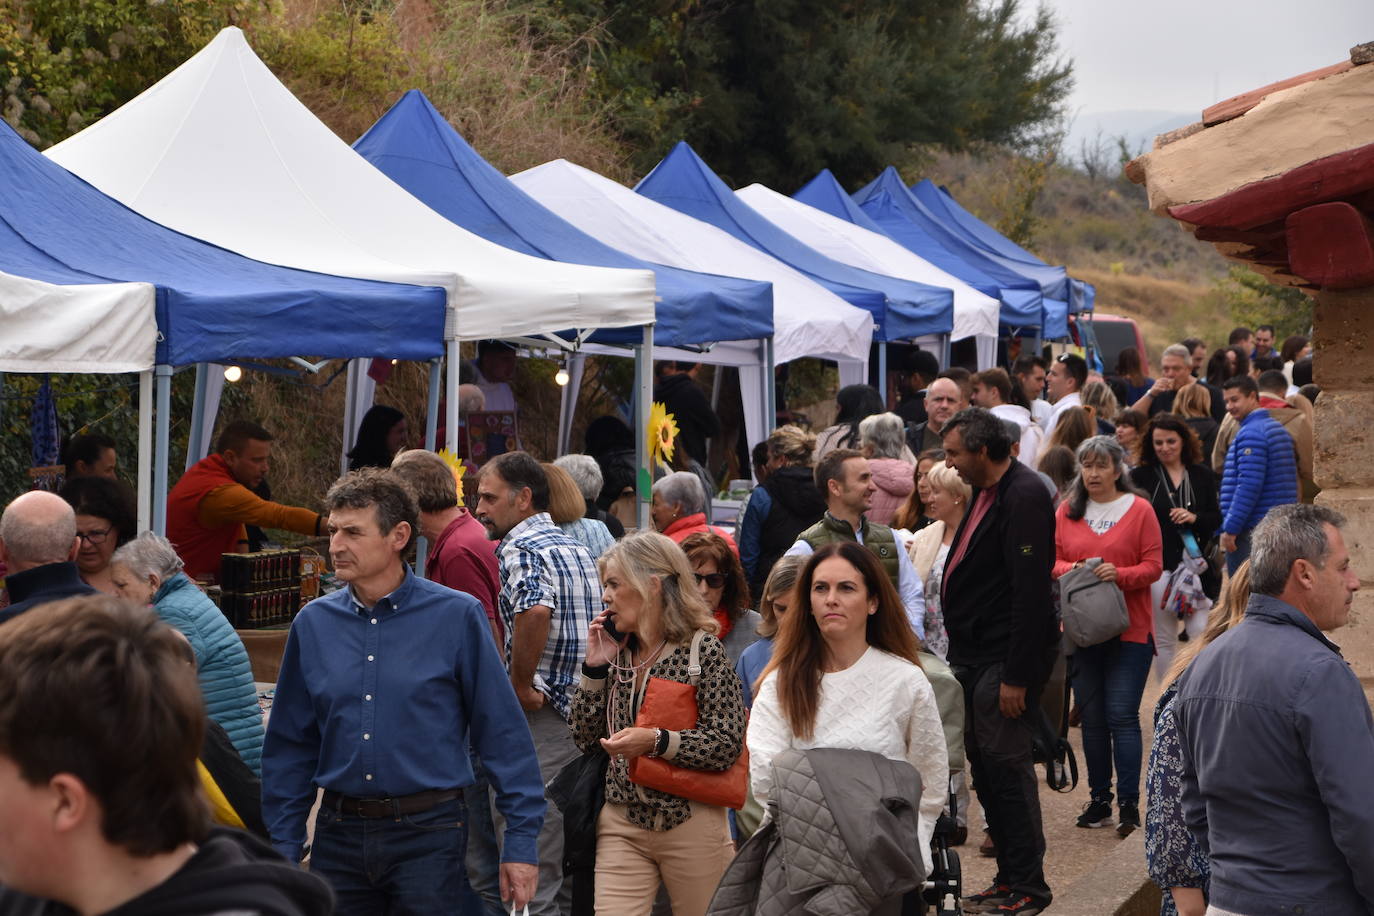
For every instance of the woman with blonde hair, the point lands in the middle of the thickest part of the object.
(846, 674)
(1176, 862)
(1098, 399)
(948, 501)
(645, 836)
(1075, 427)
(568, 509)
(883, 441)
(1194, 404)
(779, 597)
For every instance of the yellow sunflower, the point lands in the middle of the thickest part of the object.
(662, 434)
(456, 465)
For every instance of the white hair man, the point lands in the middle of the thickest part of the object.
(38, 546)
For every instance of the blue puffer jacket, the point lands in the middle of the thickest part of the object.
(226, 678)
(1261, 472)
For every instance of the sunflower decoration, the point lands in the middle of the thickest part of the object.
(662, 434)
(456, 465)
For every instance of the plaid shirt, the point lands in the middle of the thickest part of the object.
(542, 565)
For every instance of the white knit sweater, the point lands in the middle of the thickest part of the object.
(882, 704)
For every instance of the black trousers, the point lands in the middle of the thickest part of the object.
(1000, 759)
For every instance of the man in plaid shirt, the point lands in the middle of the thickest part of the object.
(550, 592)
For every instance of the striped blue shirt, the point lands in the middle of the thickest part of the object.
(540, 565)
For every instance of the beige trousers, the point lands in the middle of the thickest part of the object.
(689, 859)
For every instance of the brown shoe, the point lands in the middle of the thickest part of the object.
(988, 849)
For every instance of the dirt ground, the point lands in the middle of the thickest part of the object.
(1071, 852)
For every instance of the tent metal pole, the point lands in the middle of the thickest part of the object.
(945, 350)
(882, 372)
(145, 450)
(163, 384)
(770, 388)
(436, 382)
(576, 366)
(451, 397)
(350, 394)
(644, 397)
(196, 442)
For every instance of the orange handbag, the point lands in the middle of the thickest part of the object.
(672, 705)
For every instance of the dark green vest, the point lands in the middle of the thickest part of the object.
(879, 540)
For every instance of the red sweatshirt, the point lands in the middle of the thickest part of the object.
(1132, 546)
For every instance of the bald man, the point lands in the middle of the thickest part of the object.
(38, 546)
(944, 398)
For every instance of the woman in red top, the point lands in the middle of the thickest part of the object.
(721, 583)
(1104, 516)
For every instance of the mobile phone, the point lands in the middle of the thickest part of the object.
(609, 626)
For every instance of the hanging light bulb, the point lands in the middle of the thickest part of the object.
(232, 373)
(561, 376)
(393, 362)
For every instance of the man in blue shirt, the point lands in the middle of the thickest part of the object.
(1277, 737)
(382, 686)
(1261, 471)
(550, 591)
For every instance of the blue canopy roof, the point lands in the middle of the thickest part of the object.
(943, 204)
(212, 305)
(420, 151)
(1021, 308)
(901, 309)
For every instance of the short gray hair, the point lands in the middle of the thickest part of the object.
(149, 554)
(682, 488)
(1289, 533)
(38, 528)
(884, 434)
(585, 472)
(1178, 350)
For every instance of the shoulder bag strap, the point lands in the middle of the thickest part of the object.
(694, 658)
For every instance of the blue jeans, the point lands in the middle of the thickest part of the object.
(1240, 554)
(484, 853)
(1108, 683)
(409, 865)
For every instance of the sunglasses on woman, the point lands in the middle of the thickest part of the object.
(712, 580)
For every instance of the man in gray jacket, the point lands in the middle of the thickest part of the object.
(1277, 738)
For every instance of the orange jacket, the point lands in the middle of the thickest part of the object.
(206, 512)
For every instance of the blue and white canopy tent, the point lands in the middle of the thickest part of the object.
(1020, 307)
(208, 304)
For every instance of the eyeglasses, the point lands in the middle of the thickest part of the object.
(97, 536)
(713, 580)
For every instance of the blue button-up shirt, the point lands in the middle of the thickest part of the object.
(540, 565)
(382, 702)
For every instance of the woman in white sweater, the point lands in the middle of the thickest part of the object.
(845, 674)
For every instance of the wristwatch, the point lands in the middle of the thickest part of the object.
(660, 743)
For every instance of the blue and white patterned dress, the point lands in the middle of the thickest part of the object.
(1173, 855)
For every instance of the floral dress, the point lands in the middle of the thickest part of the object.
(1173, 855)
(937, 637)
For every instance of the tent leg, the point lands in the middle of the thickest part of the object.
(945, 350)
(644, 396)
(145, 450)
(436, 381)
(882, 371)
(451, 396)
(575, 366)
(162, 451)
(770, 388)
(196, 442)
(350, 392)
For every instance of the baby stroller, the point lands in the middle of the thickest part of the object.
(944, 887)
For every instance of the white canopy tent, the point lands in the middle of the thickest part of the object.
(97, 327)
(975, 313)
(808, 319)
(221, 150)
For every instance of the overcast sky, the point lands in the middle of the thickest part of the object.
(1183, 55)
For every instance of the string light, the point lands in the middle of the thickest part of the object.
(561, 377)
(232, 373)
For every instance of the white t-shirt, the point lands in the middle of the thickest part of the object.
(1100, 517)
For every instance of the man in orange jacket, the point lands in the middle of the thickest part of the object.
(209, 507)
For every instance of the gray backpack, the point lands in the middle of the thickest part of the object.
(1093, 611)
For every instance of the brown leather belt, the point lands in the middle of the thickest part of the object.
(389, 807)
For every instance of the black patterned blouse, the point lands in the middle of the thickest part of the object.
(714, 744)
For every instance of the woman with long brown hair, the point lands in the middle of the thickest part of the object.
(845, 674)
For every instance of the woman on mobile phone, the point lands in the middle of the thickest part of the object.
(643, 835)
(1183, 492)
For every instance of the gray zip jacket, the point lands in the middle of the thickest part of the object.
(842, 839)
(1278, 755)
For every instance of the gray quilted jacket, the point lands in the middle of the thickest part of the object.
(840, 840)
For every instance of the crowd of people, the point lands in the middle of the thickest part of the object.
(560, 717)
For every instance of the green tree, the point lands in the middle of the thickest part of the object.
(1252, 301)
(775, 91)
(65, 64)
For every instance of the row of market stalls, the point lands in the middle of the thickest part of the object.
(214, 219)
